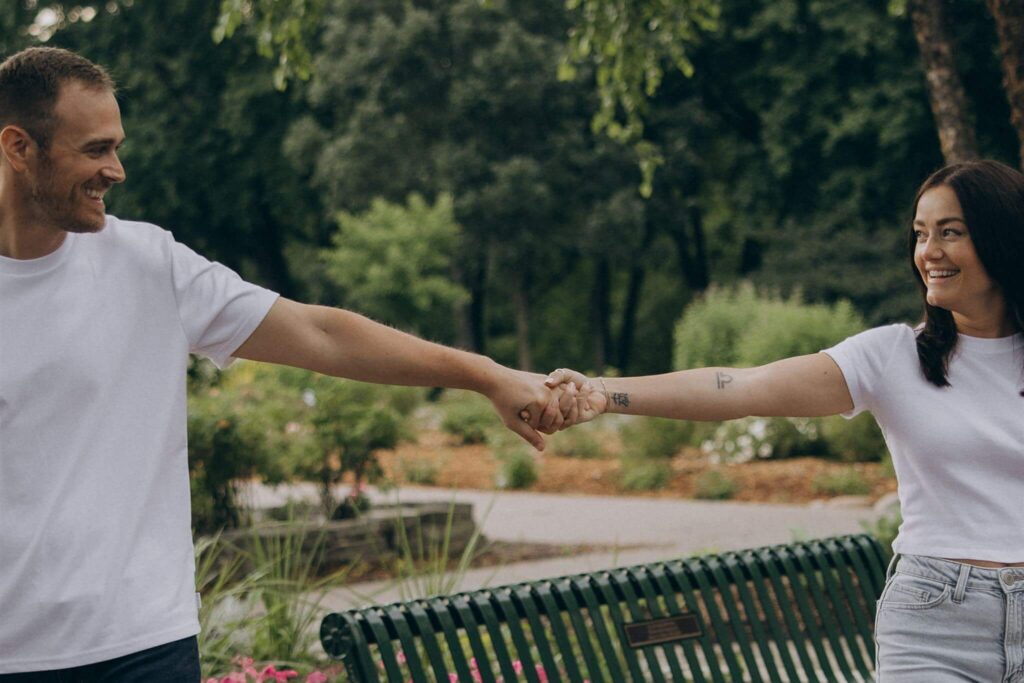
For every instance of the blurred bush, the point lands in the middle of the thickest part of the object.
(848, 482)
(740, 327)
(747, 438)
(656, 437)
(469, 417)
(277, 423)
(714, 485)
(518, 469)
(578, 442)
(422, 472)
(856, 440)
(643, 474)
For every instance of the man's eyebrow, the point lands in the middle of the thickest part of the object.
(104, 142)
(943, 221)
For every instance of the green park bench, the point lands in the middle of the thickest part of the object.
(797, 612)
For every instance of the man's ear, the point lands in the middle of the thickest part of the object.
(17, 147)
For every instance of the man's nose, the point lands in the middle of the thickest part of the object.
(114, 172)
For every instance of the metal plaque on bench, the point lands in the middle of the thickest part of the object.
(665, 630)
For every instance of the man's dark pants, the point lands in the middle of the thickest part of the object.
(176, 662)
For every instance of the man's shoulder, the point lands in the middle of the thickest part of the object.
(137, 233)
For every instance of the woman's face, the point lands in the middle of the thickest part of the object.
(947, 261)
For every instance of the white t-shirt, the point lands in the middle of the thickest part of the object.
(96, 557)
(958, 451)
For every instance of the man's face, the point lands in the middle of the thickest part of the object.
(68, 182)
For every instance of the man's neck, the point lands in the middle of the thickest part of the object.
(25, 236)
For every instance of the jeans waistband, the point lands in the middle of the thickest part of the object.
(1005, 580)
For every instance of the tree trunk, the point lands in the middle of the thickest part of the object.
(1009, 18)
(521, 301)
(637, 275)
(691, 249)
(460, 310)
(600, 309)
(477, 307)
(945, 89)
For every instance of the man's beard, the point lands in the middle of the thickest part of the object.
(57, 210)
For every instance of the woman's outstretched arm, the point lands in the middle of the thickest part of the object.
(804, 386)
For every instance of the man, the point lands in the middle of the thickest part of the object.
(97, 318)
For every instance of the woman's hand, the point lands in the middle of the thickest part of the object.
(590, 398)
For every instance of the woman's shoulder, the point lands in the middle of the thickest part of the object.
(886, 335)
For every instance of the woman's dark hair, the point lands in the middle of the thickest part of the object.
(991, 196)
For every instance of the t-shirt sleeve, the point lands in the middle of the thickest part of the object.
(863, 359)
(217, 308)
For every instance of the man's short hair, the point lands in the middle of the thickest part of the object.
(30, 82)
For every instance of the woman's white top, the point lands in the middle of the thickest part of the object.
(958, 451)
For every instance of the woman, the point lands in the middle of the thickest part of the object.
(949, 397)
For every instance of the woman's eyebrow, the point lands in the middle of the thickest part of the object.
(943, 221)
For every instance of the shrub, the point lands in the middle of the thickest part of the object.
(742, 440)
(740, 327)
(885, 528)
(518, 469)
(350, 421)
(422, 472)
(714, 485)
(856, 440)
(469, 419)
(643, 474)
(848, 482)
(578, 442)
(404, 400)
(711, 327)
(659, 437)
(225, 443)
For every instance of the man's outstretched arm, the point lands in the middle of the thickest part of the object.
(341, 343)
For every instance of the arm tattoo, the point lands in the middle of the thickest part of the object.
(620, 399)
(722, 379)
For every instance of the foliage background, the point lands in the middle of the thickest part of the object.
(788, 158)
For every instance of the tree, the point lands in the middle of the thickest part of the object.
(1009, 20)
(204, 126)
(463, 98)
(394, 263)
(945, 90)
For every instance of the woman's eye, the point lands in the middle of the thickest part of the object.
(951, 232)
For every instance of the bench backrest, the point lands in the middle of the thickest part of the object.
(796, 612)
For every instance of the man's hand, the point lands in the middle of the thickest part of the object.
(590, 398)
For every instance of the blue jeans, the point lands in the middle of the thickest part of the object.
(940, 621)
(176, 662)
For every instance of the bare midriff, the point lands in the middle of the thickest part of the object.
(987, 564)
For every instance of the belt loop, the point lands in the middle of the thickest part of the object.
(961, 583)
(892, 566)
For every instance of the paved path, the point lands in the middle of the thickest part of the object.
(666, 528)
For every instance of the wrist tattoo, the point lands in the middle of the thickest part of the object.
(620, 399)
(722, 379)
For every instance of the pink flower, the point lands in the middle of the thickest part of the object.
(271, 674)
(316, 677)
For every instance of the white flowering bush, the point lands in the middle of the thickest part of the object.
(743, 440)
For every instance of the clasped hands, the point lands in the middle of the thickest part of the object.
(549, 403)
